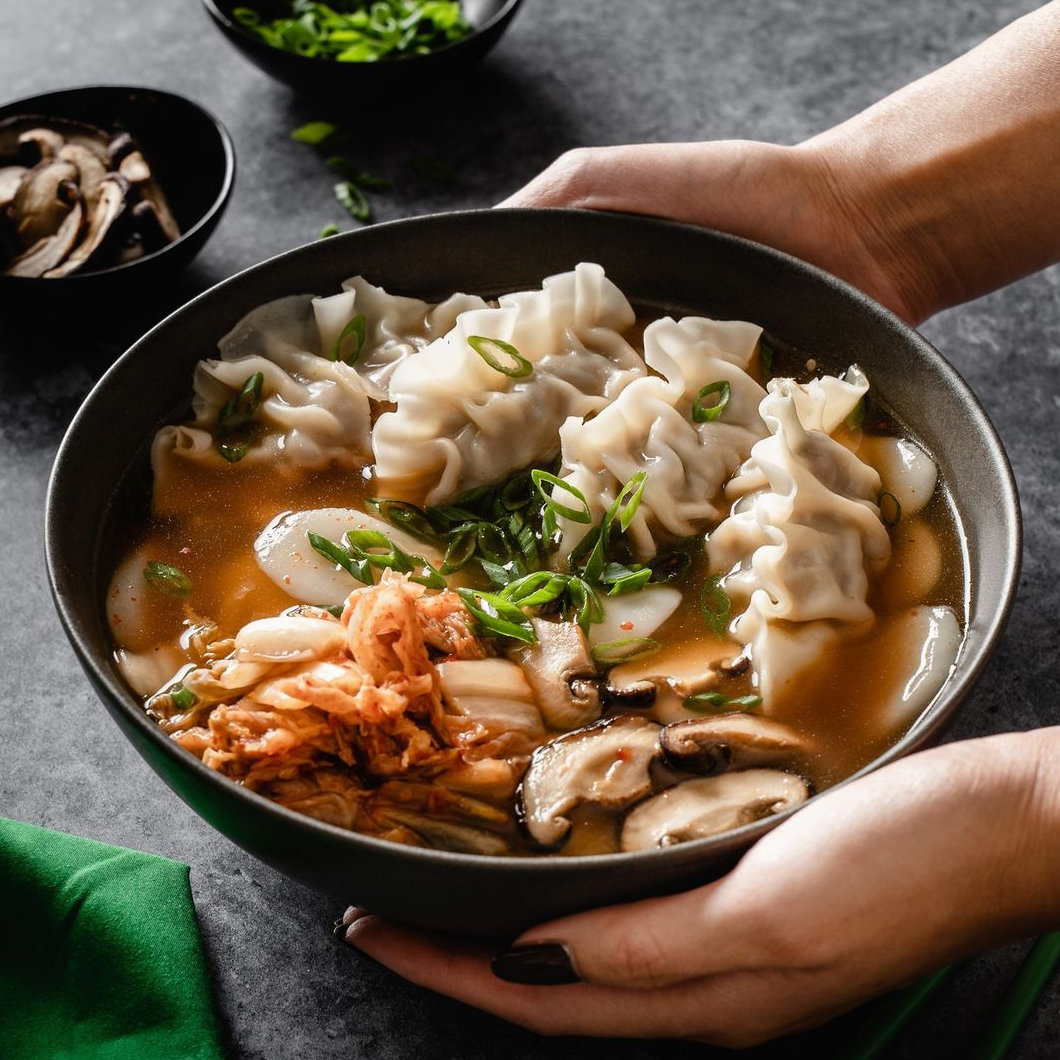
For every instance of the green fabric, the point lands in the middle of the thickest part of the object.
(100, 956)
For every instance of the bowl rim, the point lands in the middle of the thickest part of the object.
(227, 179)
(930, 724)
(222, 17)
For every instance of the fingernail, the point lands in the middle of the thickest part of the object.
(351, 916)
(536, 964)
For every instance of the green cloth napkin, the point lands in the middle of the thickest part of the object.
(100, 956)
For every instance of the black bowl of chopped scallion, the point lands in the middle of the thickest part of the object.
(382, 47)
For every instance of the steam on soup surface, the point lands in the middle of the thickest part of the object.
(533, 575)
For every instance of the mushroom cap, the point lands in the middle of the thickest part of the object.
(43, 200)
(608, 763)
(51, 250)
(553, 666)
(110, 203)
(710, 806)
(729, 741)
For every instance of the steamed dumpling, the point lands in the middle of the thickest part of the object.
(801, 544)
(649, 427)
(460, 423)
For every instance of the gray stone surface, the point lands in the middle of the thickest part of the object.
(569, 73)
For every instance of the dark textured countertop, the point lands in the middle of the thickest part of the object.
(591, 72)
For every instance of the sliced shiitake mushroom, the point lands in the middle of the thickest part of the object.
(135, 170)
(709, 806)
(562, 674)
(111, 202)
(49, 252)
(729, 741)
(608, 763)
(10, 179)
(44, 197)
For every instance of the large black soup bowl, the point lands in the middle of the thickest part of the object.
(657, 264)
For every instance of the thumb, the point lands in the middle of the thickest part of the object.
(643, 945)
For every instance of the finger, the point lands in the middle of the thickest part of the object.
(461, 970)
(655, 942)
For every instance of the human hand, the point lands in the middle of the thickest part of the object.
(919, 864)
(784, 197)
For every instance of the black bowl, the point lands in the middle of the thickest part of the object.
(655, 263)
(192, 156)
(368, 83)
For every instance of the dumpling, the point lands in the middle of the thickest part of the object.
(460, 423)
(649, 427)
(317, 409)
(804, 537)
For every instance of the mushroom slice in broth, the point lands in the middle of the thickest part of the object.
(709, 806)
(561, 672)
(608, 763)
(730, 741)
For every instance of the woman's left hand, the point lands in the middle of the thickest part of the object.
(923, 862)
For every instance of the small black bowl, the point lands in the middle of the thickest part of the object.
(657, 264)
(192, 157)
(367, 82)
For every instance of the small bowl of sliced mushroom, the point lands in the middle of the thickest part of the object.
(103, 185)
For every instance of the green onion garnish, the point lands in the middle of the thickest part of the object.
(715, 604)
(496, 616)
(361, 569)
(625, 649)
(540, 477)
(768, 357)
(167, 579)
(353, 200)
(534, 590)
(491, 349)
(621, 579)
(462, 545)
(856, 416)
(705, 413)
(240, 409)
(313, 133)
(329, 230)
(704, 702)
(624, 508)
(376, 549)
(405, 517)
(890, 509)
(181, 697)
(354, 327)
(233, 453)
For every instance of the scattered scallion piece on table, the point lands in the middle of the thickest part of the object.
(328, 230)
(314, 133)
(493, 351)
(353, 200)
(167, 579)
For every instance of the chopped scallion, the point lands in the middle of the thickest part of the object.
(353, 200)
(705, 413)
(490, 350)
(167, 579)
(890, 509)
(540, 477)
(715, 604)
(704, 702)
(496, 616)
(625, 649)
(355, 327)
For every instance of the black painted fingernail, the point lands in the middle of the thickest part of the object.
(536, 964)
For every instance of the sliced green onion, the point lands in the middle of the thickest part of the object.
(496, 616)
(361, 569)
(330, 229)
(517, 492)
(890, 509)
(856, 416)
(354, 327)
(715, 604)
(313, 133)
(624, 508)
(490, 349)
(536, 589)
(630, 581)
(703, 702)
(767, 356)
(585, 601)
(625, 649)
(364, 546)
(668, 566)
(461, 548)
(540, 477)
(167, 579)
(405, 517)
(181, 697)
(353, 200)
(240, 409)
(628, 500)
(705, 413)
(233, 453)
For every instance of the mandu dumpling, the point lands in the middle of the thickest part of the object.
(429, 571)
